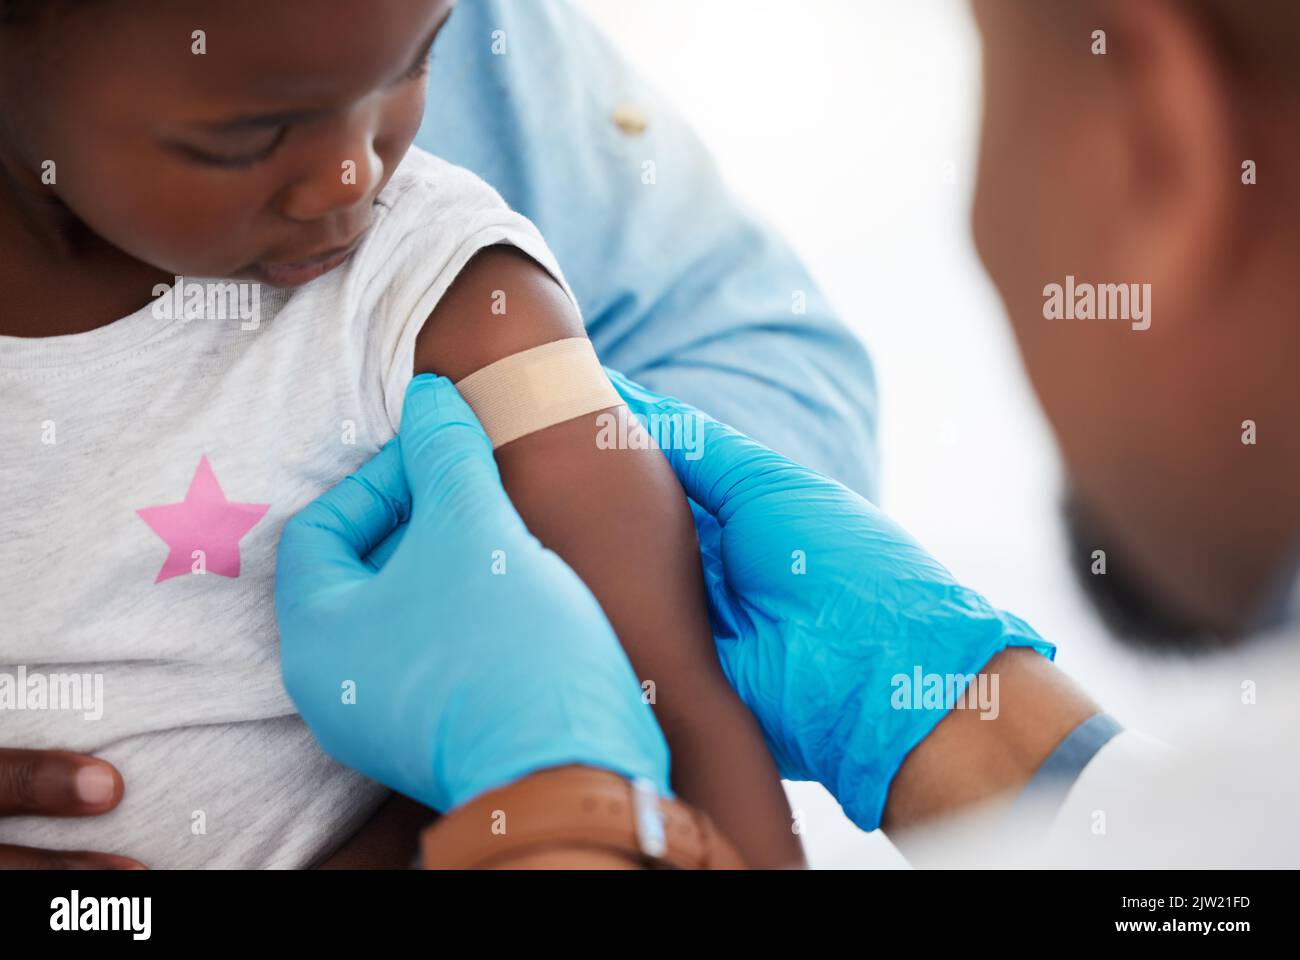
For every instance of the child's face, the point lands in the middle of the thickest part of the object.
(253, 150)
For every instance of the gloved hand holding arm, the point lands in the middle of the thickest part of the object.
(416, 660)
(432, 674)
(826, 613)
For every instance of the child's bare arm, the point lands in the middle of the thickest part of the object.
(620, 519)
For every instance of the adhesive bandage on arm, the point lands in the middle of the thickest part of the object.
(538, 388)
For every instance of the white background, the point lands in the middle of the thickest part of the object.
(851, 126)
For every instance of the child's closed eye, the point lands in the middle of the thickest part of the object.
(236, 159)
(269, 138)
(420, 68)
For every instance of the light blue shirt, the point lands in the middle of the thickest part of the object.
(682, 288)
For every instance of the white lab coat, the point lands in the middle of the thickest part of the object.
(1224, 793)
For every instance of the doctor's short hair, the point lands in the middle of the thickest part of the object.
(21, 12)
(1254, 39)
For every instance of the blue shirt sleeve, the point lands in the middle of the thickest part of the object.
(682, 288)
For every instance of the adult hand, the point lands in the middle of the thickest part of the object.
(818, 602)
(55, 783)
(470, 655)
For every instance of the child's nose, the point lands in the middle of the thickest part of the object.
(340, 179)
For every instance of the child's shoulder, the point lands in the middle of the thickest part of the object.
(428, 213)
(428, 190)
(431, 219)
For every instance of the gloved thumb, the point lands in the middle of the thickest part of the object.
(450, 469)
(723, 469)
(324, 543)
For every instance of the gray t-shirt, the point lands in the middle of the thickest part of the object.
(146, 469)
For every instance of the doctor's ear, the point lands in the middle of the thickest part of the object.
(1175, 209)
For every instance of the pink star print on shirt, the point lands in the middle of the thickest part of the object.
(205, 520)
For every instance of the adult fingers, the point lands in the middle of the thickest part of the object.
(328, 539)
(30, 858)
(56, 783)
(722, 468)
(450, 468)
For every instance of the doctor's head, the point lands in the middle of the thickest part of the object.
(1138, 208)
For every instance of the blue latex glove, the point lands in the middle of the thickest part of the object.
(813, 654)
(465, 679)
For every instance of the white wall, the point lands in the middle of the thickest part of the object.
(851, 125)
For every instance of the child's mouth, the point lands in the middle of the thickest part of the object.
(303, 271)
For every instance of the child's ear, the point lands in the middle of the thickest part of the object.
(501, 303)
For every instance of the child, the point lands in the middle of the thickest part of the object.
(221, 267)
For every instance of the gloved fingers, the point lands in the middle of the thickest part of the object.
(589, 711)
(450, 468)
(336, 530)
(726, 468)
(378, 557)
